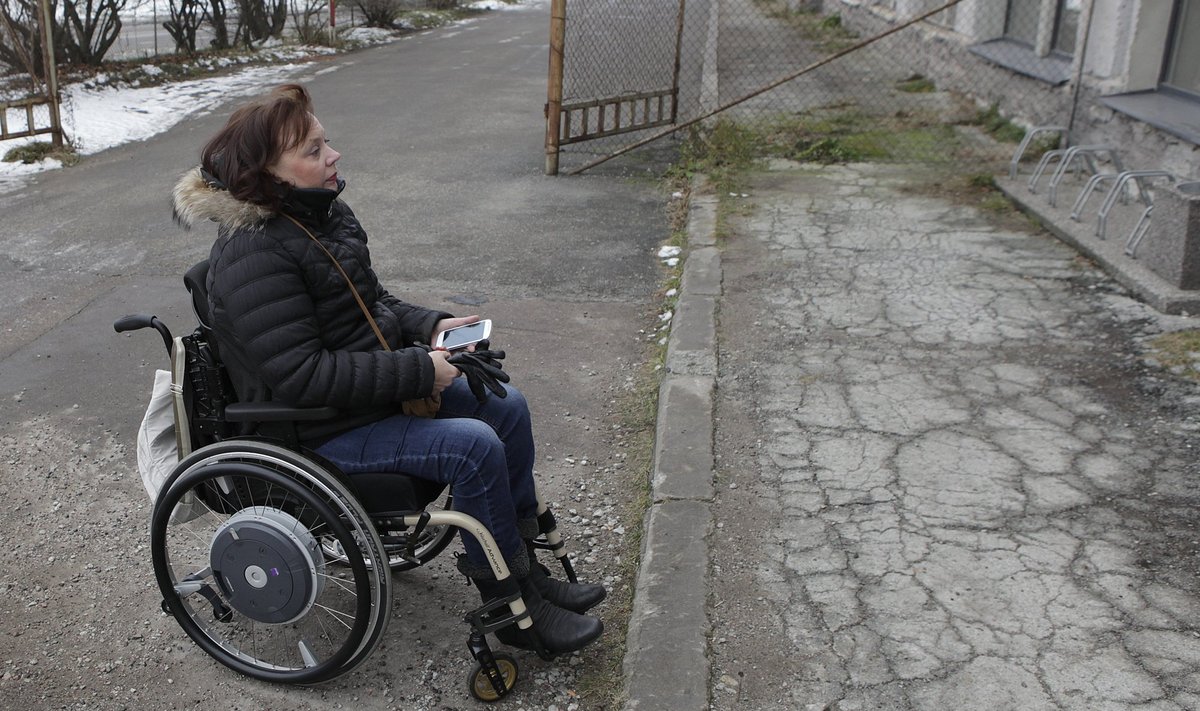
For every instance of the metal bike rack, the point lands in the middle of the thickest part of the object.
(1089, 187)
(1014, 163)
(1088, 154)
(1138, 233)
(1139, 177)
(1043, 164)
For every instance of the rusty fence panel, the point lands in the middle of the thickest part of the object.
(25, 117)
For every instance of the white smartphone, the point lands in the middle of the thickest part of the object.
(456, 339)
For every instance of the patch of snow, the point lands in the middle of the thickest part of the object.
(370, 35)
(97, 118)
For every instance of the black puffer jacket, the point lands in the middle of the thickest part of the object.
(288, 328)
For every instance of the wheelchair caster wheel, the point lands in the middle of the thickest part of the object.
(480, 685)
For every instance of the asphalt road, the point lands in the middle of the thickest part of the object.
(441, 135)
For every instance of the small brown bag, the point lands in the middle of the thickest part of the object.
(420, 407)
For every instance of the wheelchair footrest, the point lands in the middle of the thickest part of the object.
(494, 615)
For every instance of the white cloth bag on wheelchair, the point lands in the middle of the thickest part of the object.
(158, 448)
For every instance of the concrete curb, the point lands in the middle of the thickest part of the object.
(1108, 253)
(666, 656)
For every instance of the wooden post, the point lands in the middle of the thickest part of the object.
(51, 71)
(554, 92)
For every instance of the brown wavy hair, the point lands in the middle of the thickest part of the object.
(253, 139)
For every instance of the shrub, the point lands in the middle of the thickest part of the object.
(34, 152)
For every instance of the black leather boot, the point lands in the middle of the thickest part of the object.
(576, 597)
(561, 631)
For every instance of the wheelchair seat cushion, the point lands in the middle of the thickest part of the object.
(384, 492)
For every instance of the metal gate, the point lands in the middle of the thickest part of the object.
(631, 79)
(823, 80)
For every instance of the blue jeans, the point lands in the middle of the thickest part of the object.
(483, 451)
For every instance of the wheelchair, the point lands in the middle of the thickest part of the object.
(279, 565)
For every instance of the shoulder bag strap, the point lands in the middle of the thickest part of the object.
(366, 312)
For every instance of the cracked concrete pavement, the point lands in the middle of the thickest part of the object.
(945, 477)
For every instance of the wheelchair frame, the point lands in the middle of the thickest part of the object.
(266, 555)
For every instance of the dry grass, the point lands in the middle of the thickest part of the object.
(1179, 351)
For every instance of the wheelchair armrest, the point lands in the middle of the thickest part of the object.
(275, 412)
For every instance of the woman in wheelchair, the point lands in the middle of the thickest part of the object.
(300, 318)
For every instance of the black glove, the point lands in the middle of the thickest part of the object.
(482, 369)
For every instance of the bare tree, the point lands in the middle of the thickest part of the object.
(90, 29)
(186, 18)
(83, 32)
(20, 41)
(307, 20)
(217, 19)
(261, 19)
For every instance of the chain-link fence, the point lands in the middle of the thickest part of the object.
(905, 97)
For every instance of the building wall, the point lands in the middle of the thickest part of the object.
(1124, 53)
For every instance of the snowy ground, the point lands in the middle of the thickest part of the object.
(97, 116)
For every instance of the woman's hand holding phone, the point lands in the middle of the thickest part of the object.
(464, 338)
(443, 372)
(449, 323)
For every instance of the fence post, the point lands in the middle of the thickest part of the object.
(558, 24)
(51, 70)
(678, 52)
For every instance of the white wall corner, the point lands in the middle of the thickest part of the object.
(1149, 26)
(979, 20)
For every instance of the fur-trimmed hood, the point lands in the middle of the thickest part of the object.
(195, 200)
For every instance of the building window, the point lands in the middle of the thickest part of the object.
(1045, 25)
(1166, 95)
(1066, 26)
(1021, 20)
(1035, 38)
(1181, 70)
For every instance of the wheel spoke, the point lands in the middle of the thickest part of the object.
(341, 584)
(338, 615)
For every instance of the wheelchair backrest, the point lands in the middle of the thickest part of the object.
(196, 281)
(206, 386)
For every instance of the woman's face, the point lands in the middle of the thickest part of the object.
(311, 164)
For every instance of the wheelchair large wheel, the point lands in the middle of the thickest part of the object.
(246, 578)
